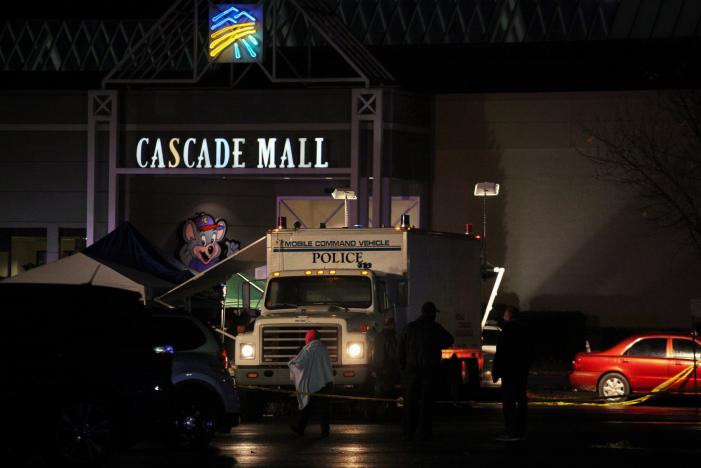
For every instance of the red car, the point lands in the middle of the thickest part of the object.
(637, 365)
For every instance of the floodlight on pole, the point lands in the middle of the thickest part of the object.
(484, 190)
(344, 194)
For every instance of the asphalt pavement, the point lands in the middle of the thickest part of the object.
(557, 436)
(663, 430)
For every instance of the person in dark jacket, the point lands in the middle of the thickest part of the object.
(385, 365)
(512, 362)
(385, 368)
(420, 364)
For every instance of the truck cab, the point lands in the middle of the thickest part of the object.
(345, 306)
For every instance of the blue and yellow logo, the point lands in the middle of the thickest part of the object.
(236, 33)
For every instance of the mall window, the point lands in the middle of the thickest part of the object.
(71, 241)
(21, 250)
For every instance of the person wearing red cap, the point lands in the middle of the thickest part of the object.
(312, 373)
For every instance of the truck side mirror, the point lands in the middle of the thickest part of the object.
(402, 299)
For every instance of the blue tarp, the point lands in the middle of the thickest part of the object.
(128, 247)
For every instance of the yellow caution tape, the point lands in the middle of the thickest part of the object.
(664, 386)
(325, 395)
(340, 397)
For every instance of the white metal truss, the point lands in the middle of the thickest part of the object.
(54, 45)
(367, 108)
(171, 51)
(102, 109)
(171, 48)
(435, 22)
(310, 25)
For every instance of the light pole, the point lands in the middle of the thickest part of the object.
(484, 190)
(344, 194)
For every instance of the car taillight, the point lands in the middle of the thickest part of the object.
(223, 358)
(577, 363)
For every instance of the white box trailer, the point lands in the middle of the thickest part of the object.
(417, 266)
(345, 283)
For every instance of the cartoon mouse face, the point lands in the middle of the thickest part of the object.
(203, 235)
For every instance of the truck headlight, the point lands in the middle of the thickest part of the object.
(355, 350)
(248, 351)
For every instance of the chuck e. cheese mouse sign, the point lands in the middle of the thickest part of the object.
(205, 242)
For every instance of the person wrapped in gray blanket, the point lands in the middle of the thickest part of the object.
(312, 373)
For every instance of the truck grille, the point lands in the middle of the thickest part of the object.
(282, 343)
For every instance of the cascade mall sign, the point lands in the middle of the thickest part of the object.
(230, 153)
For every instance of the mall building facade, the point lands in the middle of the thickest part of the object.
(76, 160)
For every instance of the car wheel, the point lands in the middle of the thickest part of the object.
(194, 423)
(614, 387)
(84, 434)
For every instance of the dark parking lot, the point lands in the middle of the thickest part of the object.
(667, 428)
(633, 434)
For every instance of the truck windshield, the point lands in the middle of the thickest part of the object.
(344, 291)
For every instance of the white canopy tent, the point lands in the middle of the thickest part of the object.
(245, 260)
(82, 269)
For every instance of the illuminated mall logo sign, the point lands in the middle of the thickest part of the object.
(221, 153)
(236, 33)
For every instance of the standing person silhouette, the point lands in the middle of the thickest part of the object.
(385, 366)
(420, 364)
(512, 362)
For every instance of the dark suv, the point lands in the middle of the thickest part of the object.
(205, 399)
(80, 375)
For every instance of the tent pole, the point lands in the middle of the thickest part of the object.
(222, 318)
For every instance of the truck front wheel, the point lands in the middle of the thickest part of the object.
(252, 405)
